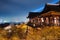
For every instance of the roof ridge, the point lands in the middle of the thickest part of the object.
(52, 4)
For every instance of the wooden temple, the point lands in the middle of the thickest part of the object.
(50, 16)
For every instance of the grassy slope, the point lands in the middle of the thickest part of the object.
(51, 33)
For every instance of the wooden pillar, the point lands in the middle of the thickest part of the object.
(31, 20)
(51, 21)
(59, 20)
(55, 21)
(47, 21)
(44, 21)
(40, 21)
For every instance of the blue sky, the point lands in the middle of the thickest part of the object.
(18, 10)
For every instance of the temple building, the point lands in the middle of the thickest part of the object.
(50, 16)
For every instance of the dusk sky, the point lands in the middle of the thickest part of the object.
(18, 10)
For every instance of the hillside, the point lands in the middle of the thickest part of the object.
(25, 32)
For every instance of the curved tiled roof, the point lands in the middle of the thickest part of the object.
(51, 7)
(33, 14)
(48, 7)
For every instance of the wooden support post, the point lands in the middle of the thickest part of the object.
(44, 21)
(50, 21)
(39, 21)
(59, 20)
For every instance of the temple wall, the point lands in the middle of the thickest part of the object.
(52, 20)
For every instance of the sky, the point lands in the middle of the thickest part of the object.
(18, 10)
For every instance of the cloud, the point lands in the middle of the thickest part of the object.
(14, 8)
(1, 20)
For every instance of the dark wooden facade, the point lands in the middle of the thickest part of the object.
(50, 16)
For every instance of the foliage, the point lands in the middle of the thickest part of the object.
(21, 32)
